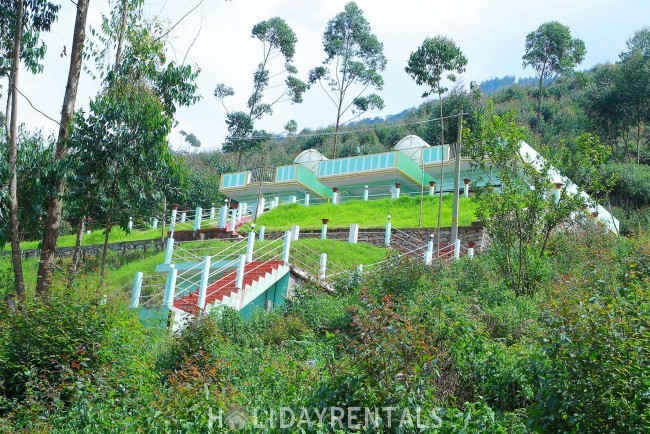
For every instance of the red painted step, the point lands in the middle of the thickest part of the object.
(225, 286)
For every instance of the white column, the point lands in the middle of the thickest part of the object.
(428, 255)
(335, 196)
(198, 217)
(354, 233)
(137, 287)
(212, 212)
(307, 198)
(172, 223)
(262, 232)
(244, 208)
(470, 252)
(466, 187)
(223, 217)
(183, 216)
(432, 188)
(398, 188)
(365, 193)
(360, 269)
(322, 269)
(260, 206)
(170, 286)
(388, 233)
(203, 286)
(457, 249)
(130, 225)
(155, 223)
(233, 219)
(558, 190)
(239, 282)
(292, 198)
(323, 231)
(250, 245)
(240, 211)
(287, 247)
(169, 251)
(295, 232)
(277, 201)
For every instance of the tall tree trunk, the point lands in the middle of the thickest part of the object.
(16, 258)
(442, 176)
(120, 41)
(338, 124)
(76, 256)
(55, 203)
(539, 106)
(638, 143)
(107, 230)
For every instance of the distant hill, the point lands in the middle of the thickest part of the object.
(492, 85)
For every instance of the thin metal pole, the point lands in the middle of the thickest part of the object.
(442, 175)
(454, 211)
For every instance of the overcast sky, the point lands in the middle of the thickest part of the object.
(490, 33)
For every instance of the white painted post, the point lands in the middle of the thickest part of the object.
(155, 223)
(287, 247)
(198, 216)
(558, 190)
(212, 212)
(388, 233)
(240, 211)
(169, 250)
(428, 255)
(335, 196)
(322, 269)
(250, 246)
(292, 198)
(137, 287)
(172, 223)
(223, 217)
(170, 286)
(398, 188)
(432, 188)
(466, 187)
(130, 225)
(360, 269)
(262, 232)
(203, 286)
(240, 272)
(470, 252)
(365, 193)
(233, 219)
(295, 232)
(307, 199)
(260, 206)
(244, 211)
(323, 231)
(354, 233)
(183, 216)
(457, 249)
(277, 201)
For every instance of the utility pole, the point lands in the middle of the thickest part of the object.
(454, 215)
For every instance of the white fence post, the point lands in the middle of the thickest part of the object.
(277, 201)
(250, 246)
(240, 211)
(307, 198)
(223, 217)
(365, 193)
(155, 223)
(322, 269)
(292, 198)
(388, 233)
(203, 287)
(169, 250)
(457, 249)
(354, 233)
(212, 212)
(233, 219)
(130, 225)
(558, 190)
(198, 216)
(183, 216)
(360, 269)
(137, 287)
(287, 247)
(323, 231)
(240, 272)
(172, 223)
(428, 255)
(260, 206)
(170, 287)
(466, 187)
(262, 232)
(470, 252)
(398, 188)
(295, 232)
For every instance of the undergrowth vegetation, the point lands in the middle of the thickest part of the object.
(449, 342)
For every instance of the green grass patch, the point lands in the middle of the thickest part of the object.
(95, 237)
(404, 214)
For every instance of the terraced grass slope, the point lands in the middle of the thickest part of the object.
(373, 214)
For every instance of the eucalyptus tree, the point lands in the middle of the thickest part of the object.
(551, 51)
(21, 24)
(278, 42)
(437, 58)
(354, 60)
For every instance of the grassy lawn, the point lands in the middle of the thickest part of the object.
(404, 214)
(95, 237)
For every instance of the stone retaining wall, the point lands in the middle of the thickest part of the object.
(155, 245)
